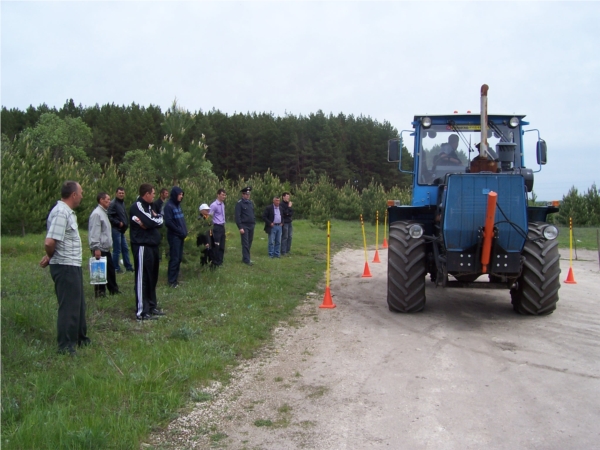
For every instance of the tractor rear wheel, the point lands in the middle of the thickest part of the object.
(406, 270)
(536, 290)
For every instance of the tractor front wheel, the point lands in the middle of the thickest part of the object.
(536, 290)
(406, 270)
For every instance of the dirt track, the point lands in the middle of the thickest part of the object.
(465, 373)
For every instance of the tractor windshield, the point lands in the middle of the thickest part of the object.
(446, 150)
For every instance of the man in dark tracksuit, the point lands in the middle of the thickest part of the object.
(176, 233)
(245, 221)
(145, 238)
(287, 231)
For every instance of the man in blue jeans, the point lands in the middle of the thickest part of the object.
(119, 221)
(176, 234)
(273, 226)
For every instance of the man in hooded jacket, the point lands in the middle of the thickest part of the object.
(176, 234)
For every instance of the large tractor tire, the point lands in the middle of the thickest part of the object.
(406, 270)
(536, 290)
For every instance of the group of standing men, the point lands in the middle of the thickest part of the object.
(278, 224)
(108, 223)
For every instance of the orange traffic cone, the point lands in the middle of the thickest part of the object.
(376, 258)
(570, 278)
(384, 245)
(367, 272)
(327, 302)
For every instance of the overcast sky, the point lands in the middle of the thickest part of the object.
(386, 60)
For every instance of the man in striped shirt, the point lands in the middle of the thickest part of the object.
(64, 255)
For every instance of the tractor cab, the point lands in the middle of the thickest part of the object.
(451, 144)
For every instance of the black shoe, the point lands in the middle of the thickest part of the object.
(249, 263)
(84, 342)
(67, 351)
(116, 293)
(174, 285)
(130, 270)
(146, 317)
(157, 312)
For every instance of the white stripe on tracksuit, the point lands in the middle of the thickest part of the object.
(140, 281)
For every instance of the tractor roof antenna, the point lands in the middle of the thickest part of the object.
(483, 146)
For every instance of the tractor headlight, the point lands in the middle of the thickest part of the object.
(513, 122)
(415, 231)
(426, 122)
(550, 232)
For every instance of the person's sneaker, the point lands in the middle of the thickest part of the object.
(174, 285)
(249, 263)
(146, 317)
(157, 312)
(130, 270)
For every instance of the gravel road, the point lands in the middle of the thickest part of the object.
(467, 373)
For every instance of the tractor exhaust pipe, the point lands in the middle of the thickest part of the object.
(483, 146)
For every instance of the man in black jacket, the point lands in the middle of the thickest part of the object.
(145, 238)
(286, 233)
(176, 233)
(119, 222)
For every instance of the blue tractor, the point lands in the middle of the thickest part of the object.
(469, 223)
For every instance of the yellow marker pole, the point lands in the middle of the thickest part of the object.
(328, 257)
(570, 277)
(364, 237)
(385, 244)
(327, 302)
(376, 258)
(366, 272)
(570, 242)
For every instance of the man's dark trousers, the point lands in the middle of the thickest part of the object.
(145, 261)
(71, 324)
(219, 249)
(175, 256)
(247, 238)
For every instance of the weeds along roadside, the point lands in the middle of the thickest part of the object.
(137, 376)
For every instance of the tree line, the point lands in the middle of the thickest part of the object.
(345, 148)
(583, 209)
(37, 160)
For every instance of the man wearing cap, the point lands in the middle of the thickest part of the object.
(204, 238)
(244, 219)
(217, 212)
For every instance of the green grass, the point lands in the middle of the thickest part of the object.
(136, 377)
(583, 238)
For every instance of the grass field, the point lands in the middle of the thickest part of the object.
(136, 377)
(583, 238)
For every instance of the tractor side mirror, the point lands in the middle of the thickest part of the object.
(542, 152)
(394, 149)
